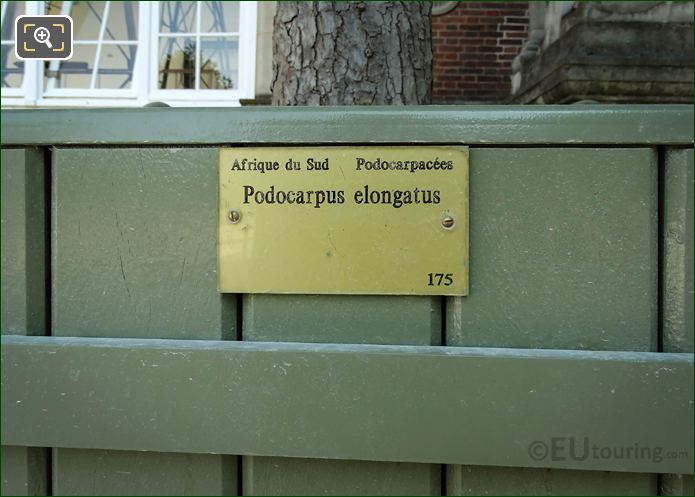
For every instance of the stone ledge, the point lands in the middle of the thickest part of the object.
(627, 62)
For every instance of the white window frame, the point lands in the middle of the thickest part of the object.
(145, 73)
(28, 92)
(52, 96)
(247, 64)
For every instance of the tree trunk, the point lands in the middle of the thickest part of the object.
(352, 53)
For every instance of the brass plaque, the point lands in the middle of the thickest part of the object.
(389, 220)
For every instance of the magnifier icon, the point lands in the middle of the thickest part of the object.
(43, 35)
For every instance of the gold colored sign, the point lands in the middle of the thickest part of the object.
(389, 220)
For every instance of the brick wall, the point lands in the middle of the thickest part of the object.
(473, 46)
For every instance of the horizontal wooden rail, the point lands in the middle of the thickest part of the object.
(612, 125)
(503, 407)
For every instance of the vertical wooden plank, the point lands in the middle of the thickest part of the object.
(294, 476)
(678, 251)
(340, 319)
(382, 320)
(115, 472)
(563, 255)
(471, 480)
(24, 470)
(23, 243)
(677, 300)
(672, 484)
(134, 255)
(23, 295)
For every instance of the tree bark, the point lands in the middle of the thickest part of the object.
(352, 53)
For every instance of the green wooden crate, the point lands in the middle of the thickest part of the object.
(578, 322)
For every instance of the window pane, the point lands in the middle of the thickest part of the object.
(116, 66)
(10, 11)
(219, 66)
(12, 69)
(122, 24)
(177, 63)
(115, 69)
(177, 17)
(87, 17)
(76, 72)
(219, 17)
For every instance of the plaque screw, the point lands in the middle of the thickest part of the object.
(447, 222)
(234, 216)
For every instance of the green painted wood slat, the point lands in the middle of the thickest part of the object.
(345, 401)
(23, 293)
(679, 240)
(536, 124)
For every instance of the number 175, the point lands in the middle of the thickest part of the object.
(439, 279)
